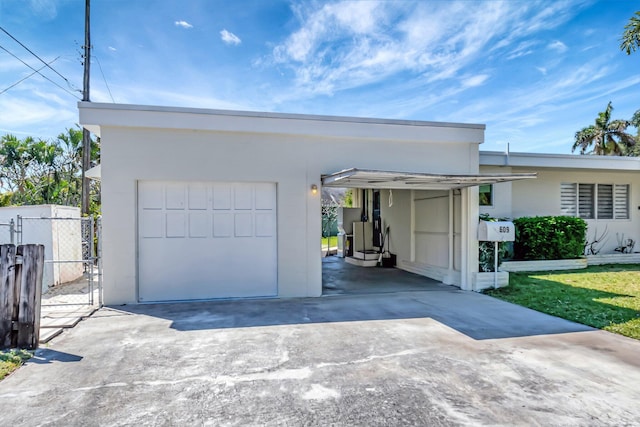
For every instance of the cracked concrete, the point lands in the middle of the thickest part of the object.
(438, 357)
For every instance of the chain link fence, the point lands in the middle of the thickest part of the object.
(7, 232)
(72, 272)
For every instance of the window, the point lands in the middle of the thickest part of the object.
(585, 201)
(595, 201)
(486, 195)
(621, 202)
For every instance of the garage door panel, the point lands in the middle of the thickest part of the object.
(175, 196)
(222, 196)
(198, 225)
(150, 196)
(243, 225)
(175, 225)
(152, 224)
(265, 197)
(243, 197)
(222, 225)
(231, 271)
(207, 253)
(198, 197)
(265, 224)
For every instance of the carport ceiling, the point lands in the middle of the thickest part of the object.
(364, 178)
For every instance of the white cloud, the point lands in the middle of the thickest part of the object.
(546, 104)
(46, 9)
(475, 80)
(558, 46)
(27, 116)
(230, 38)
(542, 70)
(346, 45)
(183, 24)
(112, 49)
(523, 49)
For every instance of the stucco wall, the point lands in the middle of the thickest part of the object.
(541, 196)
(294, 163)
(398, 218)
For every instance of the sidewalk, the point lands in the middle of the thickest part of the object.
(65, 305)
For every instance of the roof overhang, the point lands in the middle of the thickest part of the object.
(560, 161)
(94, 173)
(363, 178)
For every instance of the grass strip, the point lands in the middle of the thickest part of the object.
(10, 360)
(605, 296)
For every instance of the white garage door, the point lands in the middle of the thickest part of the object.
(199, 240)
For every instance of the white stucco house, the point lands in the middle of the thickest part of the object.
(603, 190)
(201, 204)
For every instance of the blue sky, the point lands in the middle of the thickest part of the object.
(534, 72)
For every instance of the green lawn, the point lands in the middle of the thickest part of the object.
(11, 360)
(606, 297)
(333, 240)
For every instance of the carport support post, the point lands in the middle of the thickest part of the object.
(495, 266)
(413, 226)
(469, 235)
(449, 278)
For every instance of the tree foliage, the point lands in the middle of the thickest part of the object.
(635, 122)
(608, 137)
(631, 36)
(37, 171)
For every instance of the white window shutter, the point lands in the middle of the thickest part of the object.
(605, 201)
(621, 201)
(586, 201)
(568, 199)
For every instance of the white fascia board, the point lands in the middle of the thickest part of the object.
(559, 161)
(93, 116)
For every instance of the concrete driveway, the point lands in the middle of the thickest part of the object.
(441, 357)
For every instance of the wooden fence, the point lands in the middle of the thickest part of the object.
(20, 291)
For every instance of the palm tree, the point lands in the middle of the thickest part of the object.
(607, 136)
(631, 37)
(635, 122)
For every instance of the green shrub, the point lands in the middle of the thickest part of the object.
(549, 237)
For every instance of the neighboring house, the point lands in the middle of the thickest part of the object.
(604, 190)
(201, 204)
(62, 239)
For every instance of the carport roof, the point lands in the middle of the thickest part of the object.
(365, 178)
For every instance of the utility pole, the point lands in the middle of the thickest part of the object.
(86, 136)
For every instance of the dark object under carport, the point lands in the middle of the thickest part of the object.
(388, 261)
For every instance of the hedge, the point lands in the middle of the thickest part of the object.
(549, 237)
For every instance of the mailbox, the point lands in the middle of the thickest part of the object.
(499, 231)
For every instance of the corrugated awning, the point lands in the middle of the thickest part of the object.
(363, 178)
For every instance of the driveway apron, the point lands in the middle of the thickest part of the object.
(440, 357)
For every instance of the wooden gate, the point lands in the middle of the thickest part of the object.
(20, 292)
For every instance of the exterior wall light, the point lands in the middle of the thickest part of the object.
(314, 189)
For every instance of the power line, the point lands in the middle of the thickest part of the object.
(40, 59)
(45, 77)
(25, 78)
(103, 78)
